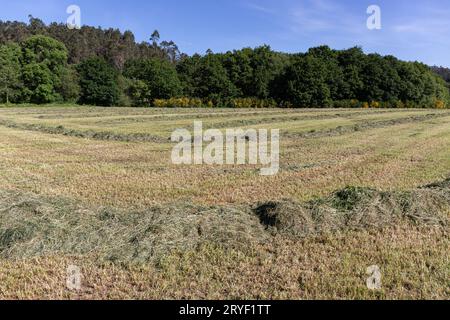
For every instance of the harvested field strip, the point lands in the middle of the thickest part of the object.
(216, 120)
(104, 116)
(273, 121)
(78, 111)
(139, 175)
(366, 125)
(167, 121)
(145, 137)
(100, 112)
(309, 168)
(32, 225)
(161, 117)
(114, 118)
(382, 160)
(89, 134)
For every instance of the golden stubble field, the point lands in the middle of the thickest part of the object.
(119, 159)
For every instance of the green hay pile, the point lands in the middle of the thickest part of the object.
(32, 225)
(356, 209)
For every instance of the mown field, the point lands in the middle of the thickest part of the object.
(95, 187)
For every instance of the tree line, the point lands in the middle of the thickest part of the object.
(50, 63)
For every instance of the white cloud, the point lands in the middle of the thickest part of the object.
(259, 8)
(324, 15)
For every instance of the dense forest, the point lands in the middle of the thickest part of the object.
(51, 63)
(443, 72)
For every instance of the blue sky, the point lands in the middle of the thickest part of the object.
(411, 30)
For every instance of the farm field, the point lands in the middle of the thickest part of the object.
(95, 187)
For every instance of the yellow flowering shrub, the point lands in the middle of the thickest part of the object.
(439, 104)
(183, 102)
(253, 103)
(374, 104)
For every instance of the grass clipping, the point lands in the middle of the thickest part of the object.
(358, 208)
(32, 225)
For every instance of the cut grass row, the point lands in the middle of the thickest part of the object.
(34, 225)
(140, 174)
(160, 131)
(389, 154)
(284, 250)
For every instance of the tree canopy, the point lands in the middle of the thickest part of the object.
(42, 63)
(156, 79)
(98, 83)
(10, 72)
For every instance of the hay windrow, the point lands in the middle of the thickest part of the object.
(86, 134)
(355, 209)
(366, 125)
(145, 137)
(32, 225)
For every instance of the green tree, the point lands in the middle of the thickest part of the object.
(186, 69)
(304, 83)
(10, 72)
(333, 75)
(44, 62)
(351, 62)
(70, 87)
(208, 79)
(252, 70)
(139, 93)
(160, 78)
(98, 82)
(39, 87)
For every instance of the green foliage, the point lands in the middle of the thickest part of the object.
(324, 77)
(114, 46)
(70, 88)
(206, 78)
(39, 86)
(139, 93)
(186, 69)
(98, 82)
(252, 70)
(153, 79)
(10, 72)
(304, 83)
(124, 85)
(46, 51)
(44, 62)
(35, 69)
